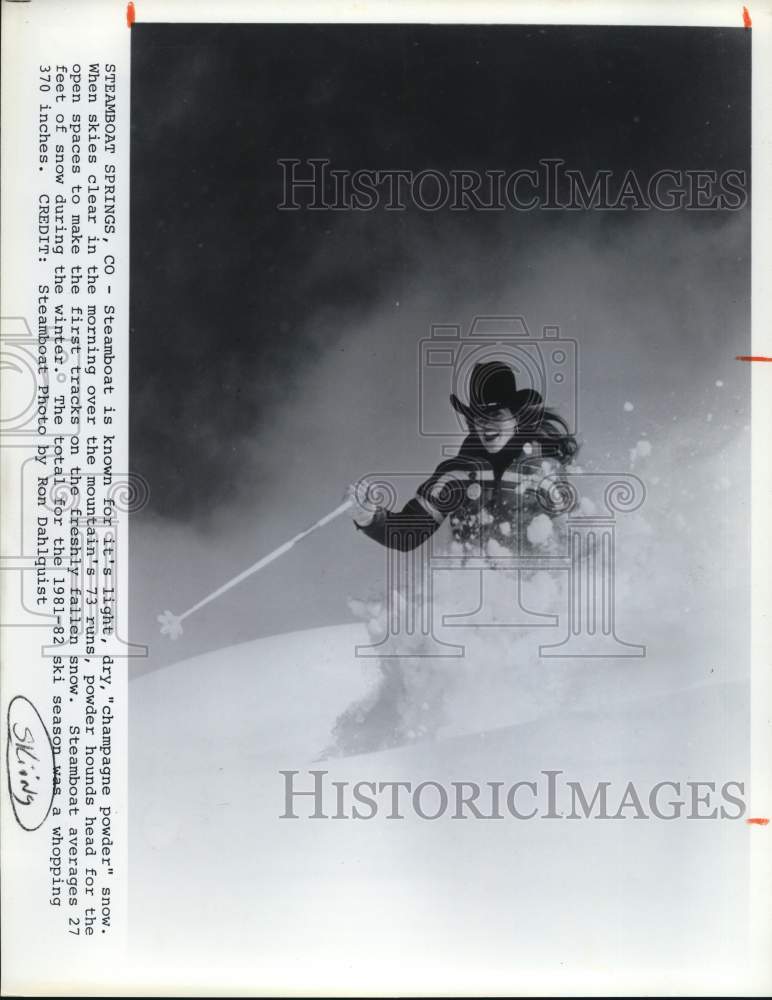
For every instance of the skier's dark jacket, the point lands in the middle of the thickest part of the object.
(485, 495)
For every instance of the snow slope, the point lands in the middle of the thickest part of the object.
(225, 892)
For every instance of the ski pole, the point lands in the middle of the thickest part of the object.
(171, 624)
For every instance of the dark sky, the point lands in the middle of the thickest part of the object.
(223, 284)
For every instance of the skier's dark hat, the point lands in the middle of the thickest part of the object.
(492, 387)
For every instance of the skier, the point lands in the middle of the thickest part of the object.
(509, 465)
(500, 478)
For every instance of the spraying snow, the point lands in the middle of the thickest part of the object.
(671, 597)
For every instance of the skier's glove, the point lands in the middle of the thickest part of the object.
(361, 512)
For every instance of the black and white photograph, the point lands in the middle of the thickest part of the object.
(433, 509)
(433, 358)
